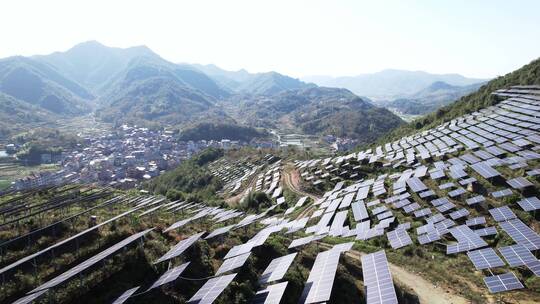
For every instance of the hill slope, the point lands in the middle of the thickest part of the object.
(317, 111)
(39, 84)
(526, 75)
(16, 115)
(436, 95)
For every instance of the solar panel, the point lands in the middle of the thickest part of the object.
(337, 225)
(212, 289)
(428, 238)
(486, 231)
(445, 207)
(233, 263)
(240, 249)
(321, 278)
(484, 170)
(521, 233)
(219, 231)
(399, 238)
(530, 203)
(456, 192)
(485, 258)
(475, 200)
(503, 213)
(384, 215)
(459, 213)
(179, 248)
(30, 298)
(304, 240)
(501, 193)
(517, 255)
(503, 282)
(359, 211)
(123, 297)
(411, 207)
(519, 183)
(422, 212)
(277, 268)
(169, 276)
(377, 279)
(270, 295)
(91, 261)
(416, 184)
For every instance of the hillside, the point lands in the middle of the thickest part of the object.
(219, 131)
(17, 116)
(270, 83)
(482, 98)
(317, 111)
(40, 85)
(390, 84)
(429, 99)
(161, 92)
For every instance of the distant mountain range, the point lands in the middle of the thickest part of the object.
(430, 99)
(390, 84)
(136, 85)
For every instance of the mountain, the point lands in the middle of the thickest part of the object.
(156, 90)
(244, 82)
(482, 98)
(390, 84)
(92, 64)
(39, 84)
(271, 83)
(230, 80)
(429, 99)
(317, 111)
(17, 115)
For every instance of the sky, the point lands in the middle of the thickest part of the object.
(482, 38)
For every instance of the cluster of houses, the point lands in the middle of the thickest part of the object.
(125, 157)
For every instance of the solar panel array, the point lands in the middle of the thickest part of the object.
(124, 296)
(318, 287)
(179, 248)
(169, 276)
(209, 292)
(503, 282)
(377, 279)
(399, 238)
(277, 268)
(485, 258)
(270, 295)
(233, 263)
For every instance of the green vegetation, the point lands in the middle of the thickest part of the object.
(43, 141)
(218, 131)
(191, 180)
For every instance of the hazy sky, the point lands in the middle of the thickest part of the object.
(298, 38)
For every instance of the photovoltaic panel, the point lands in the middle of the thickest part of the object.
(30, 298)
(123, 297)
(233, 263)
(359, 211)
(399, 238)
(503, 213)
(219, 231)
(270, 295)
(411, 207)
(209, 292)
(319, 284)
(485, 258)
(277, 268)
(169, 276)
(519, 183)
(428, 238)
(475, 200)
(456, 192)
(90, 262)
(503, 282)
(460, 213)
(521, 233)
(530, 203)
(422, 212)
(416, 184)
(484, 170)
(304, 240)
(377, 279)
(517, 255)
(239, 249)
(501, 193)
(486, 231)
(179, 248)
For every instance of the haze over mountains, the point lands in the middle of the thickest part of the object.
(391, 84)
(136, 85)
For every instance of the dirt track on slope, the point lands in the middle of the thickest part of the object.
(426, 291)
